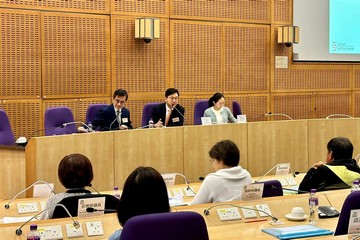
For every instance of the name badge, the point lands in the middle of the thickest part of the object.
(176, 119)
(124, 120)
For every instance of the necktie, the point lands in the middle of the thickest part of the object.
(168, 117)
(118, 116)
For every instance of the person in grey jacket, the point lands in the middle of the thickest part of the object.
(217, 110)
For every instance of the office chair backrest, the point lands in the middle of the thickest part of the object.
(199, 109)
(351, 202)
(71, 203)
(172, 225)
(147, 112)
(6, 133)
(92, 110)
(55, 117)
(272, 188)
(236, 108)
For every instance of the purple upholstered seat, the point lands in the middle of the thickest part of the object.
(199, 109)
(147, 112)
(236, 108)
(92, 110)
(55, 117)
(272, 188)
(352, 201)
(164, 226)
(6, 134)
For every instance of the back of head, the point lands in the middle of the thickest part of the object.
(144, 192)
(75, 171)
(341, 148)
(171, 91)
(215, 98)
(121, 93)
(226, 151)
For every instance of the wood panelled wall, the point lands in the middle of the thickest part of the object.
(77, 52)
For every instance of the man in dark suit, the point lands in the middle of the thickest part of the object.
(116, 115)
(169, 113)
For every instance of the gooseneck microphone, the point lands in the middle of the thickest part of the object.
(113, 122)
(278, 114)
(76, 224)
(90, 185)
(7, 206)
(179, 111)
(266, 173)
(207, 211)
(81, 123)
(289, 189)
(91, 209)
(187, 182)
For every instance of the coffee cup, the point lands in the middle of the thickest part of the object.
(297, 212)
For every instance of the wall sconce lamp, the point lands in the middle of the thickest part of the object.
(288, 35)
(147, 28)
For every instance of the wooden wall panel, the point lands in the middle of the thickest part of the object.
(297, 106)
(357, 77)
(24, 116)
(282, 11)
(196, 56)
(159, 8)
(20, 54)
(139, 67)
(246, 70)
(244, 10)
(253, 106)
(356, 104)
(98, 6)
(76, 55)
(332, 103)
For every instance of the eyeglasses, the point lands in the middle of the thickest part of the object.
(211, 160)
(119, 101)
(174, 98)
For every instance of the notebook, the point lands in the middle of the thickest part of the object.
(300, 231)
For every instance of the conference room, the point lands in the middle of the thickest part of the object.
(76, 54)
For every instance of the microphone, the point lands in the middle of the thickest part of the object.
(83, 124)
(278, 114)
(178, 111)
(289, 189)
(113, 122)
(207, 211)
(91, 209)
(266, 173)
(7, 206)
(90, 185)
(201, 178)
(338, 115)
(76, 224)
(187, 182)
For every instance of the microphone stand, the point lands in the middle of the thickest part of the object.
(207, 211)
(266, 173)
(188, 188)
(7, 206)
(278, 114)
(113, 122)
(76, 224)
(83, 124)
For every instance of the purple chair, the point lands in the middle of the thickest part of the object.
(147, 112)
(92, 110)
(351, 202)
(272, 188)
(199, 109)
(55, 117)
(6, 134)
(161, 226)
(236, 108)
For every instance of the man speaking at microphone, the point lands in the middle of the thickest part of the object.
(169, 113)
(116, 115)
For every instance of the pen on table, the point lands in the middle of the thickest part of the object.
(256, 220)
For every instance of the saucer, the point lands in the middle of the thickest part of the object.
(292, 218)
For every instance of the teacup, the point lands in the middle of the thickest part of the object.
(297, 212)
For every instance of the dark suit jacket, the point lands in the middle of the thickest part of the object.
(107, 115)
(176, 119)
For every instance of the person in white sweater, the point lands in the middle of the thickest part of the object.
(217, 111)
(226, 183)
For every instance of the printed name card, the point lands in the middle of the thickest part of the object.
(169, 179)
(97, 206)
(252, 191)
(283, 168)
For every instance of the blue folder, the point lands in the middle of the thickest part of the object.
(300, 231)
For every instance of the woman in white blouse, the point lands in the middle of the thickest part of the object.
(217, 110)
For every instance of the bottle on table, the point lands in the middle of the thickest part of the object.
(355, 186)
(116, 192)
(33, 234)
(313, 207)
(151, 123)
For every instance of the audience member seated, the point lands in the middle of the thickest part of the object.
(169, 113)
(339, 171)
(75, 173)
(226, 183)
(115, 116)
(217, 110)
(144, 193)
